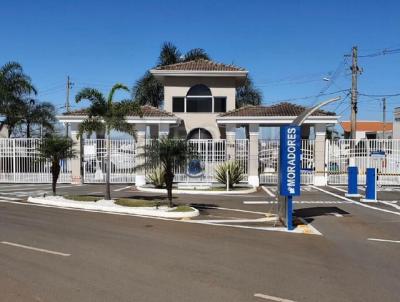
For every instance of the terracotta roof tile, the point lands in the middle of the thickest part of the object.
(200, 65)
(148, 111)
(281, 109)
(367, 126)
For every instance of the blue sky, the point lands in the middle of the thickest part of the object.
(288, 46)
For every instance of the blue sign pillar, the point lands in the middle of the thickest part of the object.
(289, 160)
(352, 182)
(370, 190)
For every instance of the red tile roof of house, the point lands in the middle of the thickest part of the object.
(281, 109)
(367, 126)
(148, 111)
(200, 65)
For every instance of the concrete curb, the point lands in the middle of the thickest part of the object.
(65, 203)
(196, 192)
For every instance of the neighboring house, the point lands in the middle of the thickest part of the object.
(368, 129)
(396, 123)
(199, 103)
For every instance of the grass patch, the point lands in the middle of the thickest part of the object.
(127, 202)
(182, 208)
(82, 197)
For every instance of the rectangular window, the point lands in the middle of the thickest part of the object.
(194, 104)
(178, 104)
(220, 104)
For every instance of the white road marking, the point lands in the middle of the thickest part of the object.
(228, 209)
(268, 191)
(264, 219)
(316, 232)
(296, 202)
(272, 298)
(35, 249)
(121, 189)
(336, 214)
(384, 240)
(390, 204)
(9, 198)
(356, 202)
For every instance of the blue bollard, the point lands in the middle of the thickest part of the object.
(352, 182)
(370, 190)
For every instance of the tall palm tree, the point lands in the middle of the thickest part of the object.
(105, 115)
(168, 153)
(15, 86)
(55, 149)
(37, 113)
(148, 90)
(247, 94)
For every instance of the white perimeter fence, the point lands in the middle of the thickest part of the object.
(19, 163)
(383, 154)
(268, 156)
(19, 160)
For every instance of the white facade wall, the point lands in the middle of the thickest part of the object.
(219, 86)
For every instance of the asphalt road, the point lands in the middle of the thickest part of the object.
(103, 257)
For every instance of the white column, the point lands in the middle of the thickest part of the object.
(320, 176)
(76, 162)
(230, 141)
(140, 178)
(163, 130)
(253, 177)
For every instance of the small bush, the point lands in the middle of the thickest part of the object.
(157, 177)
(234, 171)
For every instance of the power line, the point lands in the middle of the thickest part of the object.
(381, 95)
(382, 52)
(308, 97)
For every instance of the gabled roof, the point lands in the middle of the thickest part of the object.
(148, 111)
(200, 65)
(367, 126)
(281, 109)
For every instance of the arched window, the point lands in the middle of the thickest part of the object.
(199, 90)
(199, 99)
(199, 133)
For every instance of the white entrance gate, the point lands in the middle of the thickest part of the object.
(211, 153)
(268, 156)
(123, 158)
(383, 154)
(19, 163)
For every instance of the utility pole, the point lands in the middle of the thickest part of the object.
(67, 105)
(383, 117)
(355, 70)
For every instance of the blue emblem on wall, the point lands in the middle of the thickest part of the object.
(195, 168)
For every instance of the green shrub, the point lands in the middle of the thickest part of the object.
(157, 177)
(234, 171)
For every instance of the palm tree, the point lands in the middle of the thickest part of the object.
(37, 113)
(168, 153)
(55, 149)
(105, 115)
(15, 86)
(247, 94)
(148, 90)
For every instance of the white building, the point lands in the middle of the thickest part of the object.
(199, 104)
